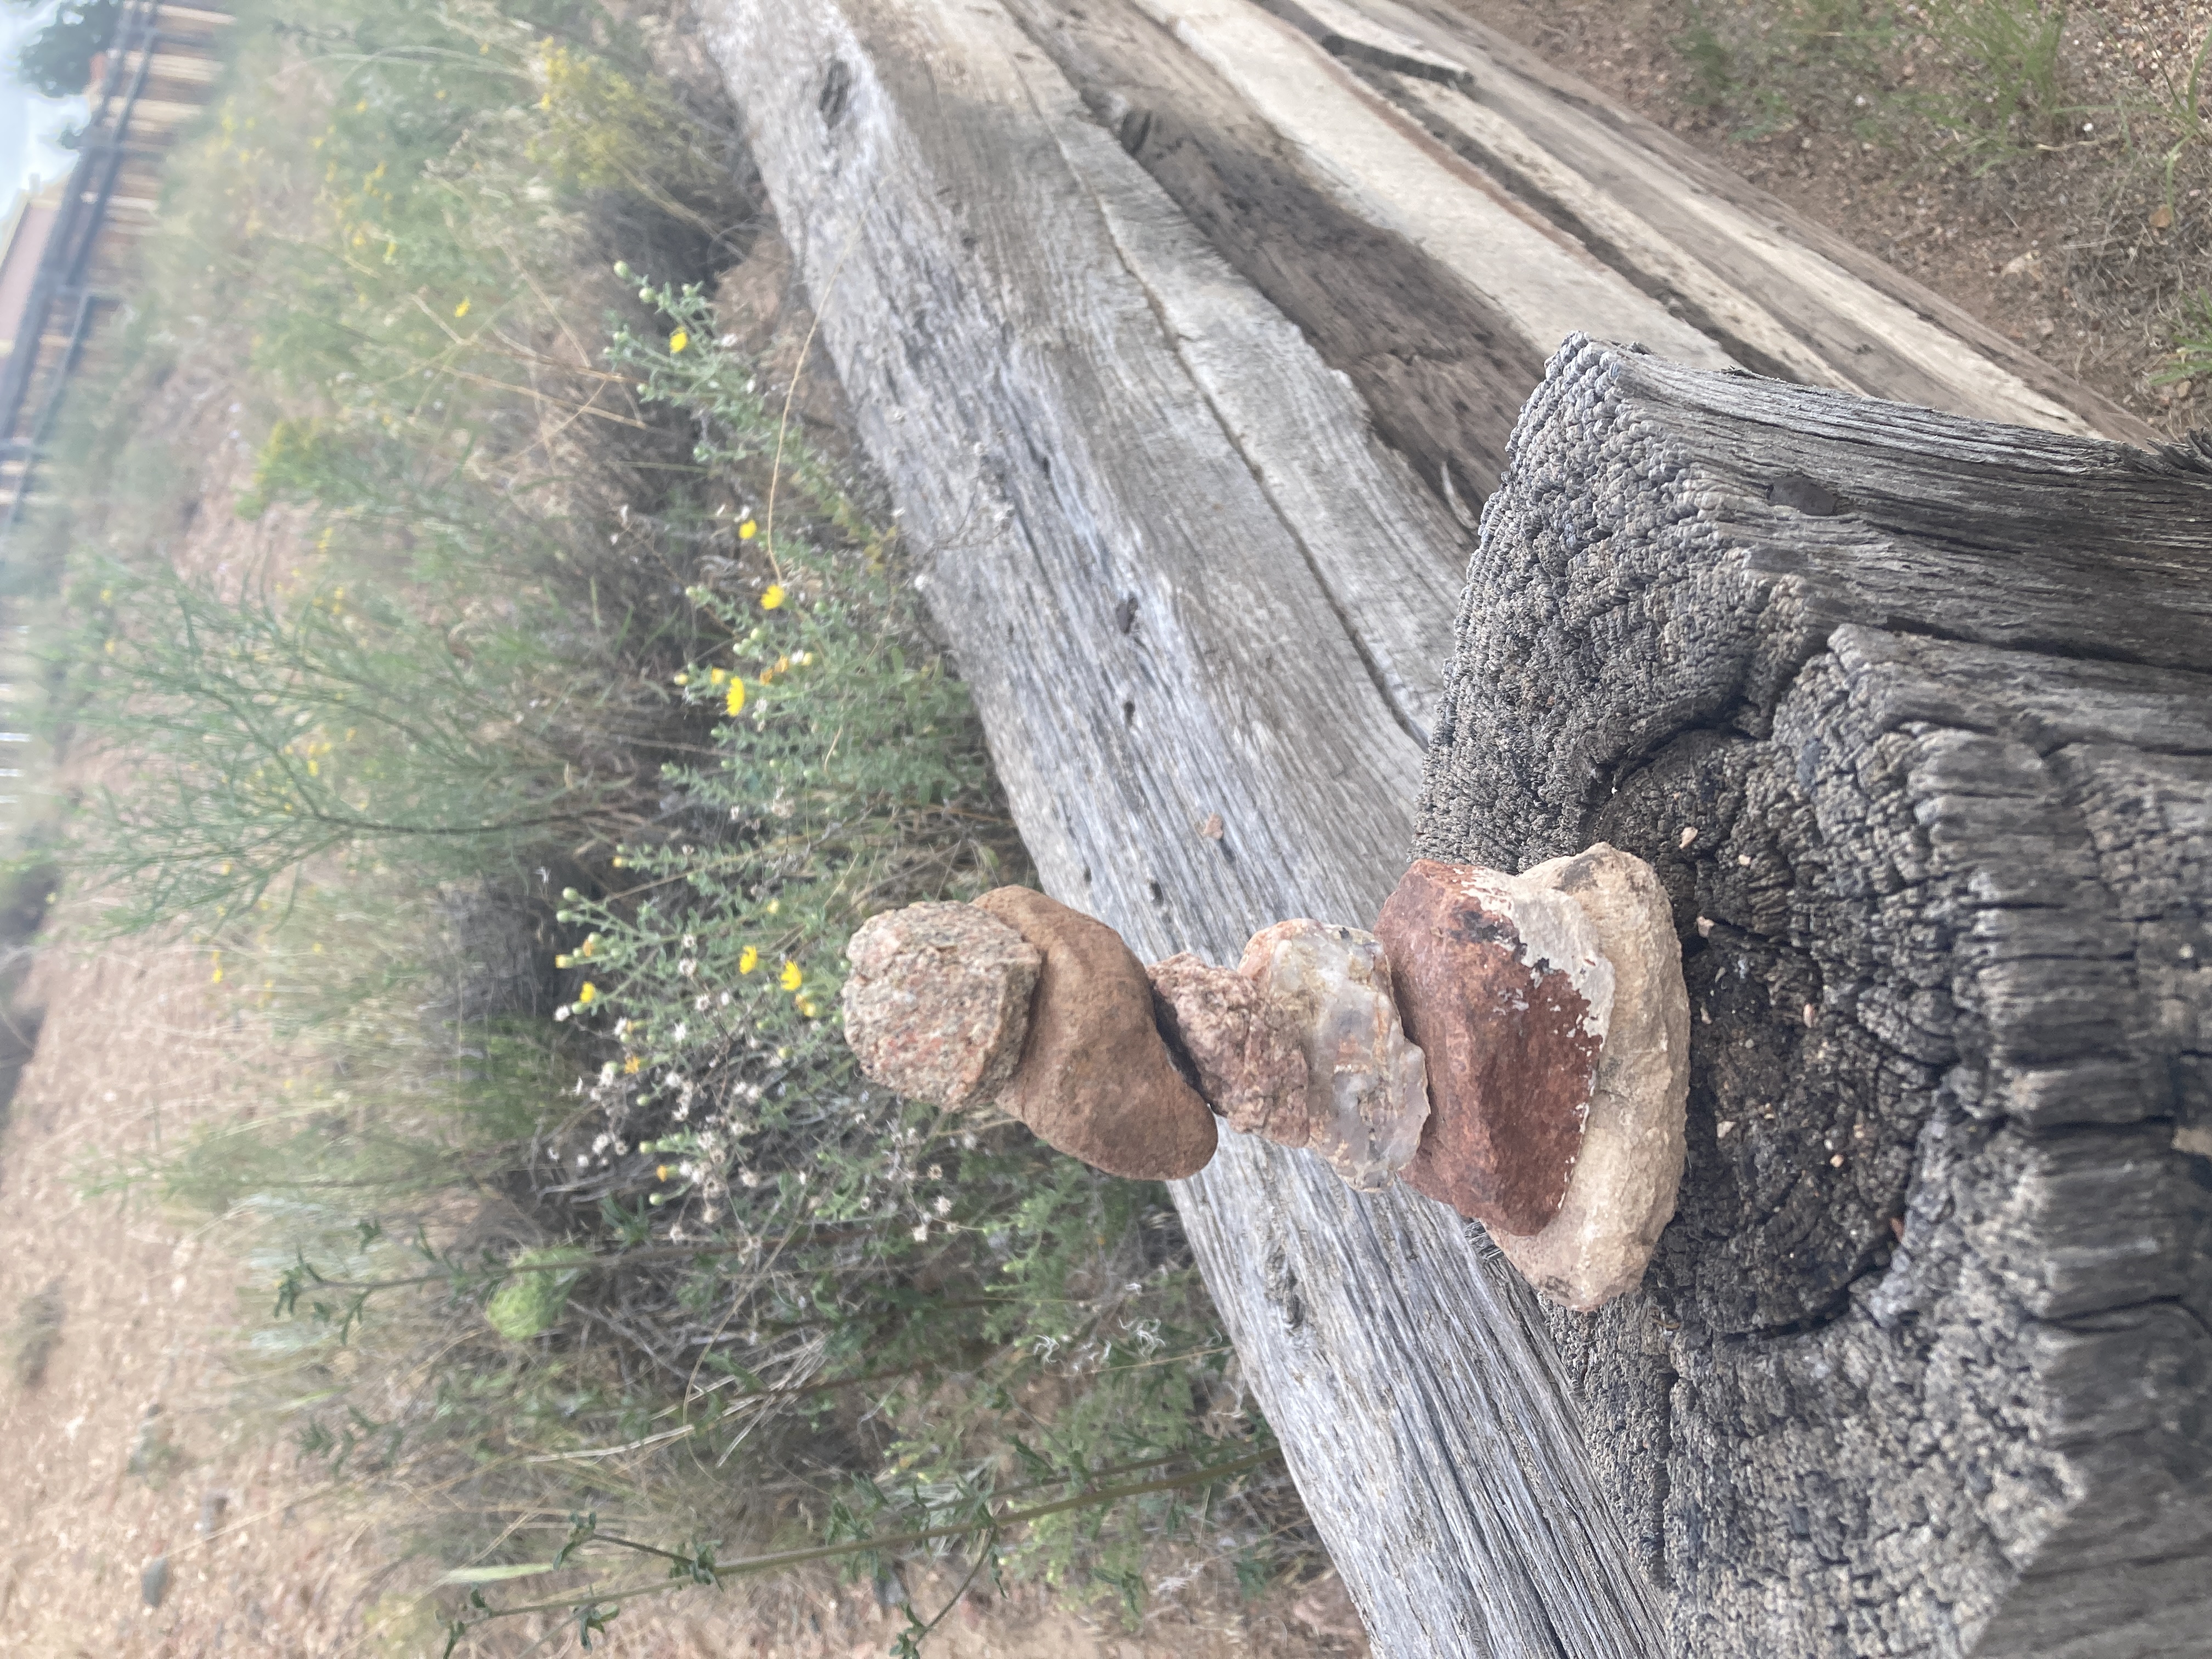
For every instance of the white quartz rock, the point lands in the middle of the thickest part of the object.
(1367, 1092)
(1622, 1193)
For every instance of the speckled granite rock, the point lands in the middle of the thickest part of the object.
(937, 1005)
(1245, 1046)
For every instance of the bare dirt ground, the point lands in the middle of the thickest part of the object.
(114, 1458)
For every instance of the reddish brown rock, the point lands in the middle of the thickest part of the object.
(1096, 1079)
(938, 1005)
(1245, 1046)
(1502, 985)
(1366, 1086)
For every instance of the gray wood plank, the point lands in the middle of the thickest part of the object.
(1441, 368)
(1785, 295)
(1103, 507)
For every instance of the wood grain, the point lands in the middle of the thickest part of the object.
(1441, 369)
(1926, 773)
(1784, 294)
(1152, 639)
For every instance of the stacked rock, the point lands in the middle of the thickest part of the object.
(1301, 1043)
(1553, 1012)
(1517, 1046)
(1020, 999)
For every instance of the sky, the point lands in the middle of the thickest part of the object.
(28, 122)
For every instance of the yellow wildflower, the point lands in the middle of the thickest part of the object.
(558, 962)
(589, 993)
(774, 598)
(631, 1064)
(747, 531)
(736, 704)
(678, 340)
(215, 962)
(747, 959)
(792, 976)
(683, 679)
(661, 1172)
(806, 1006)
(462, 309)
(719, 676)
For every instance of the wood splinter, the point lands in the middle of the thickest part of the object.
(1517, 1046)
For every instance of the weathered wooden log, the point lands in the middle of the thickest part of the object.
(1781, 293)
(1184, 580)
(1470, 196)
(1914, 716)
(1156, 482)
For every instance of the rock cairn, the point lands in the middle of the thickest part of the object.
(1516, 1046)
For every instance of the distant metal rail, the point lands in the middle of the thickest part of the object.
(62, 280)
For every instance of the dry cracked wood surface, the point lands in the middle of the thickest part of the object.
(1178, 330)
(1914, 716)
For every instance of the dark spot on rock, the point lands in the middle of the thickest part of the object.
(1282, 1290)
(1808, 763)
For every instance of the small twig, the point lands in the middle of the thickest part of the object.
(791, 393)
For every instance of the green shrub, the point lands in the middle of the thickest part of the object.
(2004, 62)
(57, 61)
(1766, 68)
(2192, 342)
(528, 794)
(531, 1302)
